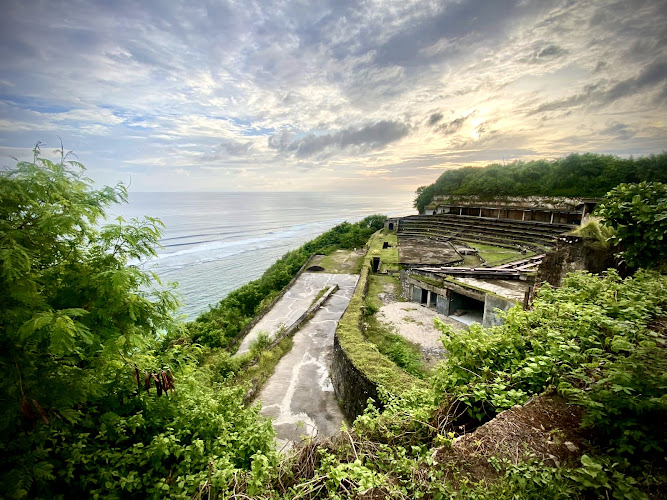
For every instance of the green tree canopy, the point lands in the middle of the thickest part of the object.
(81, 332)
(586, 174)
(638, 214)
(70, 305)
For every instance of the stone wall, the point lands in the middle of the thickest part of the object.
(351, 386)
(573, 253)
(358, 368)
(491, 303)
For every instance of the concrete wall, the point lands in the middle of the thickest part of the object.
(442, 305)
(416, 294)
(393, 222)
(573, 253)
(351, 386)
(456, 302)
(491, 303)
(239, 337)
(448, 300)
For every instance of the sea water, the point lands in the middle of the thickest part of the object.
(216, 242)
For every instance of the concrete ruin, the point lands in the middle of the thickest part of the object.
(432, 246)
(468, 299)
(552, 210)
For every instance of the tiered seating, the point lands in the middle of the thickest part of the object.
(507, 233)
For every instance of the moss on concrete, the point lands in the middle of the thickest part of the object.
(340, 262)
(388, 256)
(494, 256)
(364, 355)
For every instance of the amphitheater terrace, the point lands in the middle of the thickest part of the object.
(467, 258)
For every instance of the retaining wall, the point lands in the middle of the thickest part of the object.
(351, 386)
(358, 368)
(573, 253)
(239, 337)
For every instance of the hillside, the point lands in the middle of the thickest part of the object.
(576, 175)
(107, 394)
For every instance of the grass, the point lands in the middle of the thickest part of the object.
(402, 352)
(471, 261)
(495, 256)
(595, 231)
(257, 374)
(363, 354)
(340, 262)
(380, 283)
(388, 256)
(318, 296)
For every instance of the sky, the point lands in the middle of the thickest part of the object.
(358, 96)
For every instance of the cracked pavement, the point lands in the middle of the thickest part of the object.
(299, 396)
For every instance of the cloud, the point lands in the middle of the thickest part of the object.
(369, 137)
(332, 91)
(228, 147)
(651, 76)
(435, 118)
(619, 131)
(471, 20)
(453, 126)
(544, 53)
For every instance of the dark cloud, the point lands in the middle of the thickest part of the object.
(454, 126)
(545, 53)
(227, 148)
(434, 118)
(619, 131)
(650, 76)
(474, 19)
(653, 75)
(369, 137)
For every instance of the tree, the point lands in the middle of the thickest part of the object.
(78, 318)
(638, 214)
(71, 306)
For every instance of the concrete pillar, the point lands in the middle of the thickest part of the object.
(416, 294)
(442, 305)
(552, 218)
(523, 215)
(460, 210)
(480, 212)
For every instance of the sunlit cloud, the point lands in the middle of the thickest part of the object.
(336, 95)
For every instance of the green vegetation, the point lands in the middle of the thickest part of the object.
(256, 374)
(340, 261)
(219, 326)
(89, 349)
(319, 295)
(364, 355)
(84, 362)
(574, 175)
(638, 215)
(404, 353)
(494, 256)
(401, 351)
(595, 231)
(388, 256)
(599, 341)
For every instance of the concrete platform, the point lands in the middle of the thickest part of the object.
(293, 304)
(425, 251)
(299, 396)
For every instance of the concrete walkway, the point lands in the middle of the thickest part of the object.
(299, 396)
(292, 305)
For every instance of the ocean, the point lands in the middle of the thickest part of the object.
(216, 242)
